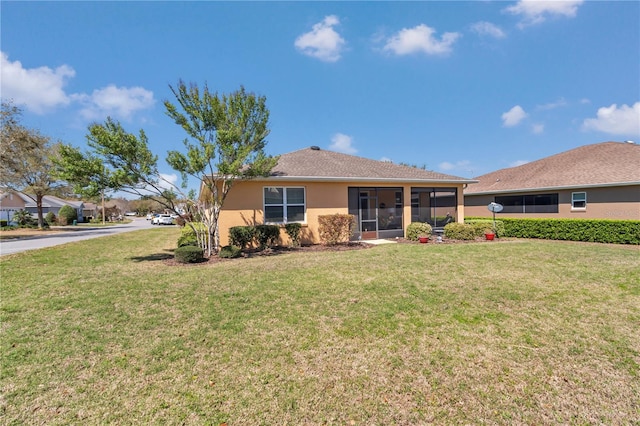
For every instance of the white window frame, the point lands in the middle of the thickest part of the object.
(285, 204)
(574, 200)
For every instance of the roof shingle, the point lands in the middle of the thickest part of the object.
(605, 164)
(317, 164)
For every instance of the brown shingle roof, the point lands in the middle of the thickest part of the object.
(602, 164)
(317, 164)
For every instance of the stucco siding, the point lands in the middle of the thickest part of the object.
(621, 202)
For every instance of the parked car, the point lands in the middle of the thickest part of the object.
(162, 219)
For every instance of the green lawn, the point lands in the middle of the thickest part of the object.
(517, 332)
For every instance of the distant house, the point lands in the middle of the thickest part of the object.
(90, 211)
(11, 202)
(383, 197)
(53, 204)
(593, 181)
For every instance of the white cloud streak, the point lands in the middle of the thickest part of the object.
(420, 39)
(342, 143)
(537, 11)
(623, 121)
(117, 102)
(323, 41)
(513, 117)
(488, 29)
(38, 89)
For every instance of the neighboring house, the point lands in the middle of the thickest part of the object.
(383, 197)
(90, 211)
(599, 181)
(53, 204)
(11, 202)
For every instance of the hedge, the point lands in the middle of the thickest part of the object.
(588, 230)
(188, 254)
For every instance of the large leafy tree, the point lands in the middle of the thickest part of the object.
(26, 159)
(226, 140)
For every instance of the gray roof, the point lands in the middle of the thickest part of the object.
(314, 164)
(597, 165)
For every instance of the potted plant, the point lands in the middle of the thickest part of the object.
(423, 239)
(489, 234)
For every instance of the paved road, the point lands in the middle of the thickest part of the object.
(78, 234)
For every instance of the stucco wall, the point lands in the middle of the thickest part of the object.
(243, 205)
(602, 203)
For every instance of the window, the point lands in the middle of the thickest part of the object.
(578, 200)
(284, 205)
(539, 203)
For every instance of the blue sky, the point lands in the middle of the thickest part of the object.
(464, 88)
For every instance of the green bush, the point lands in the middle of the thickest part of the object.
(188, 254)
(241, 236)
(589, 230)
(188, 236)
(23, 218)
(293, 231)
(418, 229)
(230, 252)
(67, 215)
(267, 235)
(459, 231)
(335, 228)
(480, 226)
(50, 218)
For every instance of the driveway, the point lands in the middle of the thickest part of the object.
(77, 234)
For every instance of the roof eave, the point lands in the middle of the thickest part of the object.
(361, 179)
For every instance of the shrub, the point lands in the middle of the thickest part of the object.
(67, 215)
(335, 228)
(4, 223)
(188, 236)
(293, 231)
(460, 231)
(230, 252)
(482, 225)
(50, 218)
(267, 235)
(241, 236)
(418, 229)
(23, 218)
(188, 254)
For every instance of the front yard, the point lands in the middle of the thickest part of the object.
(106, 331)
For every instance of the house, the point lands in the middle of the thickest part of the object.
(383, 197)
(599, 181)
(53, 204)
(90, 211)
(11, 202)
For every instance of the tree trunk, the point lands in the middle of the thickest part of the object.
(39, 207)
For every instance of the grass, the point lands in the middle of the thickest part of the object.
(520, 332)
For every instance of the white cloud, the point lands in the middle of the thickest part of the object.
(537, 11)
(322, 42)
(38, 89)
(488, 29)
(117, 102)
(463, 165)
(386, 160)
(518, 163)
(553, 105)
(342, 143)
(537, 128)
(616, 121)
(513, 117)
(420, 39)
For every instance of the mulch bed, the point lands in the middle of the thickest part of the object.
(277, 250)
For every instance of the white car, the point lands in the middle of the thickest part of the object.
(162, 219)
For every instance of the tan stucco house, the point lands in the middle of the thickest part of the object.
(599, 181)
(11, 202)
(384, 197)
